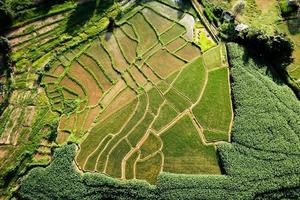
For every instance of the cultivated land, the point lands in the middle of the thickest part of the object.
(132, 100)
(125, 95)
(124, 119)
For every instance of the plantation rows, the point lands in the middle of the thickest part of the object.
(124, 97)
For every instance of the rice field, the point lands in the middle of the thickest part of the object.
(139, 99)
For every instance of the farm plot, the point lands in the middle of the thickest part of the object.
(134, 92)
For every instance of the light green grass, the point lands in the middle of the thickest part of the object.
(129, 167)
(172, 33)
(159, 23)
(140, 130)
(191, 80)
(167, 114)
(205, 43)
(179, 102)
(214, 109)
(115, 159)
(155, 100)
(212, 58)
(150, 146)
(91, 162)
(146, 34)
(184, 152)
(214, 136)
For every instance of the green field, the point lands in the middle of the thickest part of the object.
(215, 115)
(126, 95)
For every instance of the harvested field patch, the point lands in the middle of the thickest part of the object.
(93, 113)
(68, 94)
(62, 137)
(176, 44)
(129, 31)
(189, 52)
(127, 45)
(49, 79)
(70, 55)
(129, 81)
(138, 76)
(110, 43)
(115, 90)
(164, 63)
(99, 53)
(87, 80)
(57, 70)
(171, 34)
(146, 34)
(184, 152)
(122, 99)
(159, 22)
(215, 114)
(165, 10)
(96, 70)
(150, 74)
(151, 52)
(29, 116)
(73, 86)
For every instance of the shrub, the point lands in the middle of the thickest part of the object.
(287, 9)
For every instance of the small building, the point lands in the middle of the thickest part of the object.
(241, 27)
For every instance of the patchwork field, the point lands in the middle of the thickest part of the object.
(138, 99)
(125, 122)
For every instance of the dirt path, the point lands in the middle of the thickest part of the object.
(210, 27)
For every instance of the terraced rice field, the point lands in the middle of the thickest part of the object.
(142, 99)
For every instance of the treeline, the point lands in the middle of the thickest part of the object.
(262, 160)
(5, 73)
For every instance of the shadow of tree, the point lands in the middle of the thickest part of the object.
(82, 13)
(294, 26)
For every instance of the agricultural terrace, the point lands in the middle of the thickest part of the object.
(143, 98)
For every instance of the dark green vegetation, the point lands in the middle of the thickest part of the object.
(261, 162)
(288, 9)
